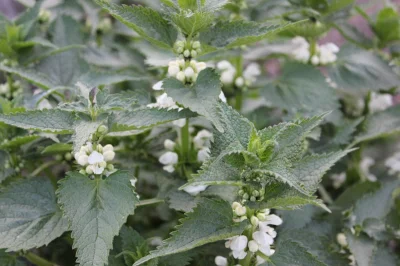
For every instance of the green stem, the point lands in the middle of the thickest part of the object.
(239, 100)
(313, 47)
(43, 167)
(149, 202)
(185, 141)
(38, 261)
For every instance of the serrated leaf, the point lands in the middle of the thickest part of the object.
(239, 32)
(56, 121)
(293, 254)
(182, 201)
(297, 88)
(202, 97)
(357, 70)
(96, 209)
(146, 22)
(211, 221)
(283, 197)
(29, 215)
(379, 125)
(146, 117)
(97, 78)
(83, 129)
(17, 142)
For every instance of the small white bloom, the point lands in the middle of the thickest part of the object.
(202, 139)
(186, 53)
(393, 163)
(380, 102)
(315, 60)
(133, 182)
(228, 76)
(158, 85)
(196, 45)
(108, 156)
(179, 123)
(173, 70)
(95, 158)
(264, 241)
(253, 246)
(194, 190)
(251, 72)
(181, 76)
(238, 244)
(203, 155)
(338, 179)
(341, 239)
(224, 65)
(273, 219)
(108, 147)
(83, 159)
(240, 210)
(221, 261)
(189, 72)
(200, 66)
(169, 158)
(365, 165)
(239, 82)
(169, 168)
(169, 144)
(222, 97)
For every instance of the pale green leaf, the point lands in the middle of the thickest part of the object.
(96, 209)
(56, 121)
(202, 97)
(57, 148)
(29, 215)
(147, 22)
(211, 221)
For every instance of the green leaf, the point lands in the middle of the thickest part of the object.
(358, 70)
(239, 32)
(211, 221)
(29, 215)
(380, 125)
(56, 121)
(387, 25)
(57, 148)
(146, 22)
(17, 142)
(293, 254)
(297, 88)
(97, 78)
(5, 172)
(96, 209)
(146, 117)
(202, 97)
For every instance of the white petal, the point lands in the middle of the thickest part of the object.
(239, 243)
(239, 254)
(179, 123)
(169, 144)
(108, 147)
(83, 160)
(203, 155)
(194, 190)
(158, 86)
(221, 261)
(98, 170)
(95, 157)
(169, 168)
(109, 156)
(222, 97)
(262, 238)
(168, 158)
(273, 219)
(252, 71)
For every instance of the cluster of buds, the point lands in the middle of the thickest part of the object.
(11, 92)
(67, 156)
(44, 15)
(229, 74)
(251, 193)
(185, 71)
(93, 157)
(187, 49)
(17, 164)
(260, 240)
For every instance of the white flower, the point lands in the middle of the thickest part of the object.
(239, 82)
(315, 60)
(238, 245)
(189, 72)
(203, 154)
(338, 179)
(327, 53)
(239, 209)
(341, 239)
(163, 101)
(221, 261)
(380, 102)
(4, 88)
(251, 73)
(224, 65)
(228, 76)
(173, 69)
(169, 158)
(95, 158)
(82, 159)
(158, 86)
(107, 148)
(133, 182)
(109, 156)
(181, 76)
(194, 190)
(222, 97)
(169, 144)
(263, 242)
(169, 168)
(271, 219)
(202, 139)
(365, 165)
(393, 163)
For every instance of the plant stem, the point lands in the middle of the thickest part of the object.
(43, 167)
(239, 100)
(185, 141)
(149, 202)
(325, 195)
(38, 261)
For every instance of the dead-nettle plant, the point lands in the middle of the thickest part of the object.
(152, 134)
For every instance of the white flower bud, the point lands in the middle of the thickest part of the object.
(186, 53)
(169, 144)
(227, 77)
(221, 261)
(196, 45)
(173, 70)
(189, 72)
(103, 164)
(236, 204)
(222, 97)
(224, 65)
(158, 86)
(83, 159)
(239, 82)
(169, 168)
(261, 216)
(253, 246)
(203, 155)
(168, 158)
(201, 66)
(89, 169)
(181, 76)
(341, 239)
(254, 220)
(240, 211)
(193, 53)
(133, 182)
(108, 147)
(315, 60)
(109, 156)
(180, 44)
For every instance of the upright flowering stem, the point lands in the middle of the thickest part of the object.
(185, 141)
(239, 92)
(313, 47)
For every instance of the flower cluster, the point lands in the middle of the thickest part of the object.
(187, 49)
(95, 159)
(229, 74)
(380, 102)
(322, 55)
(260, 240)
(393, 163)
(365, 165)
(11, 92)
(185, 71)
